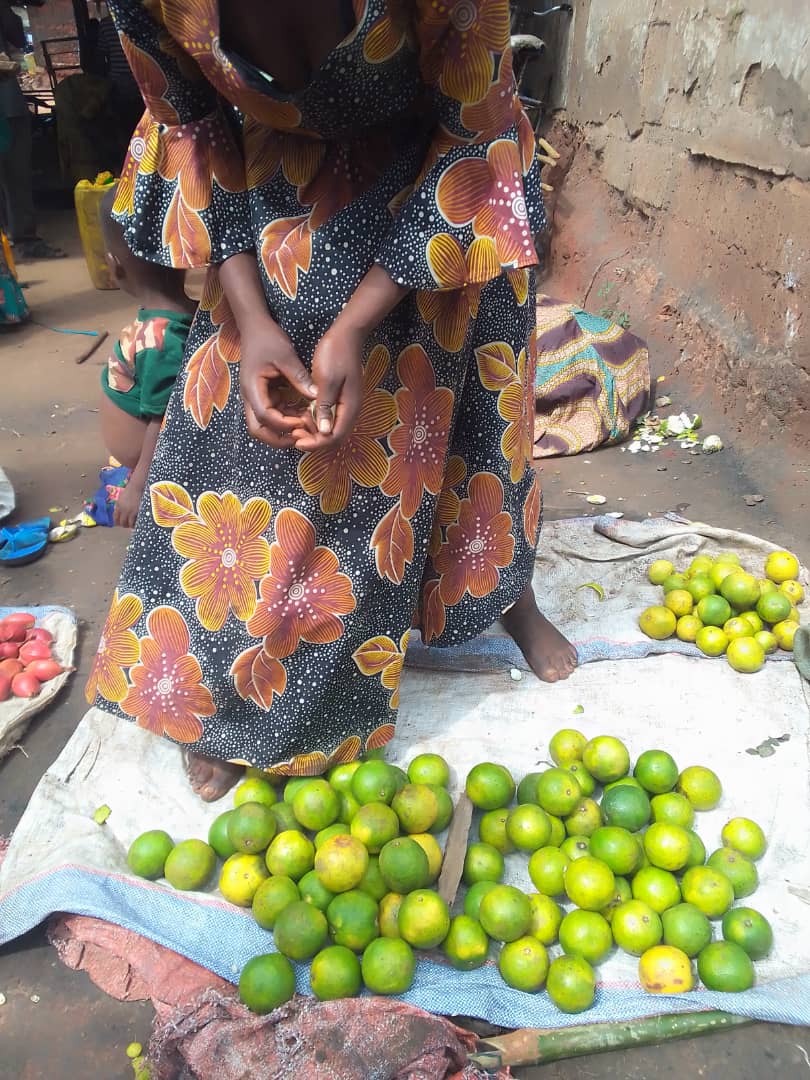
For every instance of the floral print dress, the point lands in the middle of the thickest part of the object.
(264, 608)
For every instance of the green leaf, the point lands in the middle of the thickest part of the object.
(579, 710)
(101, 814)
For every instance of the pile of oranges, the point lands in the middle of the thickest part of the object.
(726, 611)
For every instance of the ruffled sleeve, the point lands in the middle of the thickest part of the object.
(477, 202)
(182, 196)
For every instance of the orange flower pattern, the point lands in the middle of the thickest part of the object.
(419, 442)
(304, 595)
(381, 656)
(479, 545)
(118, 648)
(166, 694)
(501, 371)
(456, 273)
(361, 459)
(277, 637)
(226, 553)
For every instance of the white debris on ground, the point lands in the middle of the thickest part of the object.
(653, 432)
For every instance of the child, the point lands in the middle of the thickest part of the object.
(143, 367)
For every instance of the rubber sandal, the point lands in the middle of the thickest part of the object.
(22, 544)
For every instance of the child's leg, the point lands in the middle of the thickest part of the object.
(123, 434)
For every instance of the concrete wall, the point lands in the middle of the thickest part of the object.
(697, 113)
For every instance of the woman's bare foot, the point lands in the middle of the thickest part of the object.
(209, 777)
(550, 655)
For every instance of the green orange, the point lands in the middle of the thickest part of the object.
(489, 786)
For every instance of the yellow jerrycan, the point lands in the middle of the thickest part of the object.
(88, 195)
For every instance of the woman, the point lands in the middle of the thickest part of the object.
(347, 452)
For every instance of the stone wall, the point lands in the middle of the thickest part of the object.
(695, 114)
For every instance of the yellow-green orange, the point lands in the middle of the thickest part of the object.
(558, 792)
(781, 566)
(372, 881)
(353, 919)
(445, 812)
(424, 919)
(699, 586)
(767, 640)
(711, 641)
(291, 854)
(474, 895)
(616, 847)
(709, 890)
(489, 786)
(218, 835)
(341, 862)
(784, 632)
(270, 899)
(483, 862)
(314, 892)
(492, 830)
(316, 805)
(701, 786)
(586, 934)
(300, 930)
(505, 913)
(266, 982)
(528, 827)
(335, 973)
(466, 945)
(523, 964)
(658, 622)
(190, 865)
(430, 845)
(565, 746)
(255, 789)
(659, 571)
(793, 591)
(584, 819)
(404, 865)
(656, 771)
(388, 914)
(688, 628)
(686, 928)
(673, 808)
(726, 966)
(374, 825)
(745, 654)
(571, 984)
(636, 927)
(739, 870)
(679, 602)
(240, 877)
(148, 853)
(374, 782)
(773, 607)
(666, 846)
(388, 966)
(589, 883)
(416, 806)
(740, 589)
(701, 564)
(606, 758)
(587, 784)
(750, 930)
(656, 887)
(340, 776)
(251, 827)
(429, 769)
(547, 869)
(545, 918)
(745, 836)
(738, 627)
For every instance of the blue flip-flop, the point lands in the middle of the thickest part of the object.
(21, 544)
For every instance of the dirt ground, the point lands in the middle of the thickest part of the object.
(55, 1023)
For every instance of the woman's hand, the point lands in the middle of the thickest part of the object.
(337, 371)
(276, 387)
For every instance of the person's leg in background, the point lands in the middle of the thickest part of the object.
(16, 183)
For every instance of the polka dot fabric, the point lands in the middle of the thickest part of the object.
(264, 608)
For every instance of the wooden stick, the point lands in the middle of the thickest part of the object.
(88, 352)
